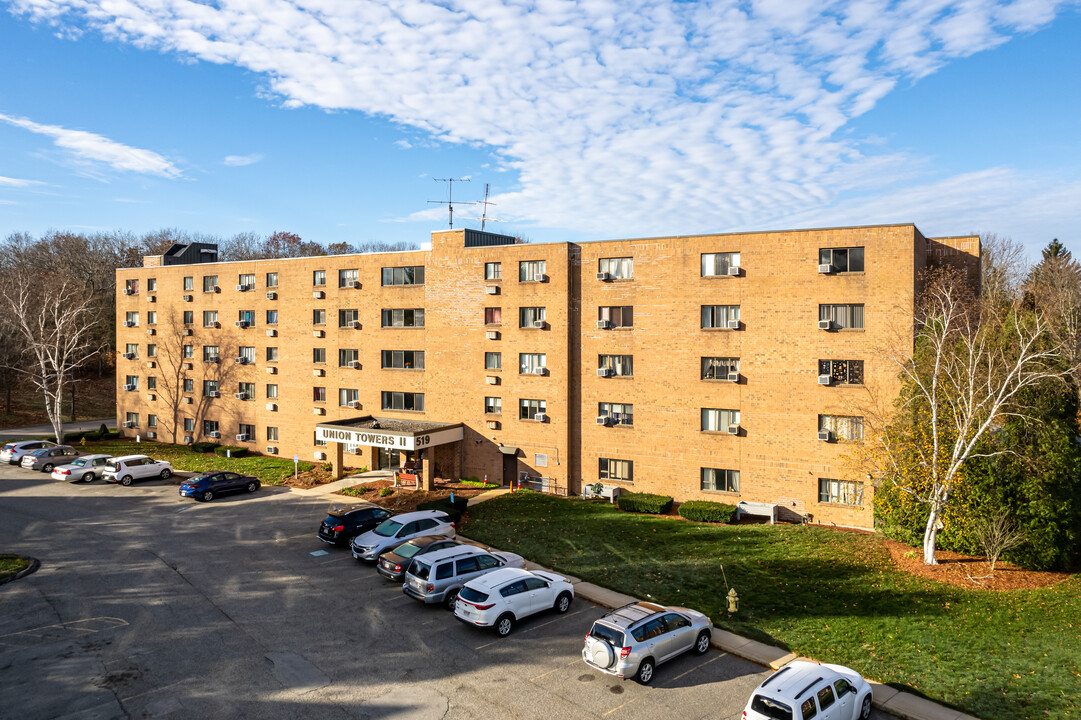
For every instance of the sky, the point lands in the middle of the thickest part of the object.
(334, 119)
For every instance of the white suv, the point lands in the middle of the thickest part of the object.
(502, 597)
(128, 468)
(395, 530)
(803, 690)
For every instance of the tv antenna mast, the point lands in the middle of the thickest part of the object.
(484, 214)
(449, 202)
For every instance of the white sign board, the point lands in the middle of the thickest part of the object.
(385, 439)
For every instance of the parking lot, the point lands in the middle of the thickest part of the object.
(147, 605)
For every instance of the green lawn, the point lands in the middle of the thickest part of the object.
(823, 593)
(269, 470)
(11, 564)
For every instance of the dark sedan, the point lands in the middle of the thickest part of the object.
(45, 459)
(342, 524)
(393, 564)
(209, 485)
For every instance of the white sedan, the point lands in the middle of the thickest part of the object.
(803, 690)
(502, 597)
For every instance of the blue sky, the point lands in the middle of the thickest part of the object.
(590, 120)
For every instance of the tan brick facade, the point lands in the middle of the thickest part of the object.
(779, 345)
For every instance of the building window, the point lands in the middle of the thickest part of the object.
(319, 394)
(151, 317)
(840, 492)
(246, 280)
(131, 286)
(246, 389)
(272, 434)
(271, 391)
(271, 317)
(132, 382)
(493, 405)
(617, 316)
(346, 278)
(189, 424)
(528, 409)
(210, 426)
(210, 353)
(319, 355)
(210, 318)
(617, 268)
(210, 388)
(189, 352)
(529, 363)
(319, 317)
(409, 275)
(403, 401)
(151, 383)
(720, 480)
(616, 470)
(617, 365)
(719, 368)
(210, 283)
(152, 285)
(348, 395)
(403, 317)
(272, 280)
(319, 278)
(531, 271)
(714, 264)
(189, 283)
(189, 317)
(845, 317)
(719, 316)
(618, 413)
(493, 271)
(246, 316)
(347, 355)
(403, 359)
(493, 316)
(317, 442)
(132, 318)
(272, 354)
(151, 350)
(249, 430)
(845, 428)
(189, 385)
(842, 372)
(347, 316)
(493, 361)
(530, 317)
(842, 259)
(152, 421)
(247, 352)
(718, 420)
(132, 349)
(132, 419)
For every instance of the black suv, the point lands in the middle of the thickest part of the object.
(342, 524)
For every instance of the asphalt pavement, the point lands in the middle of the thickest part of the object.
(35, 431)
(148, 605)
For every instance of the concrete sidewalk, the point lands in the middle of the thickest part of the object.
(35, 431)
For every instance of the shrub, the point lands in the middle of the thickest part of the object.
(644, 503)
(204, 447)
(224, 450)
(103, 430)
(473, 482)
(453, 510)
(705, 511)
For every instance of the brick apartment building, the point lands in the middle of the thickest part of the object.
(723, 367)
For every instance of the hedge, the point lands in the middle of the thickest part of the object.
(644, 503)
(705, 511)
(225, 450)
(453, 510)
(204, 447)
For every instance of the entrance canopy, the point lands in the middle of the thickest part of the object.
(389, 433)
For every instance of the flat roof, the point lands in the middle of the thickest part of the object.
(389, 425)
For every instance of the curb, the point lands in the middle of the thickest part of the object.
(31, 568)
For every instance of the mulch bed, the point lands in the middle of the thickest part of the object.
(312, 478)
(408, 500)
(968, 572)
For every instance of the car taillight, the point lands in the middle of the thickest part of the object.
(338, 528)
(431, 588)
(624, 652)
(483, 607)
(453, 525)
(64, 472)
(587, 637)
(397, 568)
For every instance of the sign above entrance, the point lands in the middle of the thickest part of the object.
(388, 439)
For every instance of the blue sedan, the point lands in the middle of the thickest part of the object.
(211, 484)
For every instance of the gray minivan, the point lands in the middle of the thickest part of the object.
(438, 576)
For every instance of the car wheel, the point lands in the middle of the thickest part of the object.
(701, 645)
(47, 468)
(126, 480)
(166, 474)
(645, 672)
(88, 477)
(563, 603)
(504, 625)
(253, 486)
(451, 599)
(865, 711)
(208, 496)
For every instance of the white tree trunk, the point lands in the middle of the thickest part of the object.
(930, 534)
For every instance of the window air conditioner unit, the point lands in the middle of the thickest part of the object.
(825, 435)
(189, 298)
(354, 364)
(213, 393)
(604, 276)
(243, 437)
(354, 404)
(733, 270)
(151, 397)
(319, 411)
(538, 324)
(493, 424)
(272, 407)
(319, 372)
(129, 388)
(151, 298)
(603, 420)
(825, 269)
(604, 324)
(151, 364)
(733, 377)
(319, 294)
(271, 450)
(189, 366)
(152, 435)
(319, 455)
(241, 396)
(355, 284)
(215, 289)
(604, 372)
(129, 291)
(539, 371)
(825, 324)
(213, 359)
(272, 333)
(129, 356)
(214, 434)
(187, 401)
(151, 331)
(733, 429)
(188, 438)
(242, 323)
(825, 379)
(317, 333)
(491, 289)
(216, 325)
(241, 360)
(492, 380)
(492, 334)
(542, 278)
(243, 288)
(272, 296)
(540, 417)
(128, 423)
(272, 370)
(129, 323)
(733, 324)
(187, 332)
(354, 324)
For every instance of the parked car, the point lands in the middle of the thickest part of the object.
(437, 578)
(12, 453)
(129, 468)
(394, 563)
(802, 690)
(45, 459)
(501, 598)
(207, 486)
(86, 468)
(342, 524)
(395, 530)
(634, 639)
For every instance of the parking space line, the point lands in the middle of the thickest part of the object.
(618, 707)
(561, 617)
(484, 646)
(699, 667)
(572, 662)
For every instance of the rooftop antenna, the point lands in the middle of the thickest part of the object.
(449, 202)
(484, 214)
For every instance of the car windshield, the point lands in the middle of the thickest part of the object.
(771, 708)
(421, 570)
(603, 632)
(472, 595)
(408, 550)
(388, 528)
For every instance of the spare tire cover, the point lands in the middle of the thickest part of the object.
(602, 654)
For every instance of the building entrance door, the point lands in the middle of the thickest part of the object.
(390, 459)
(510, 469)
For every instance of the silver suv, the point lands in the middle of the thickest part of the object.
(438, 576)
(633, 640)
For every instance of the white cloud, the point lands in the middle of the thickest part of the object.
(403, 144)
(87, 147)
(241, 160)
(18, 182)
(620, 117)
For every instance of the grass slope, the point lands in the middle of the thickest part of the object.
(269, 470)
(827, 594)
